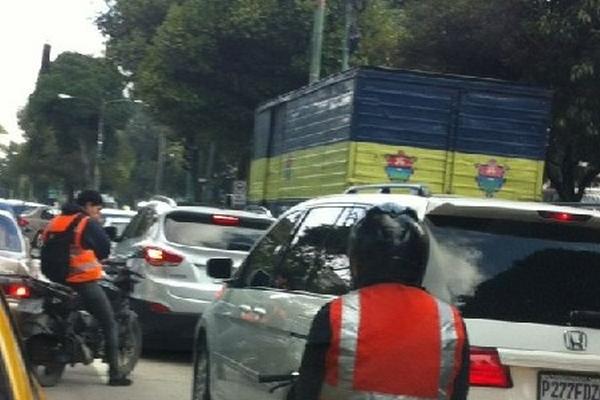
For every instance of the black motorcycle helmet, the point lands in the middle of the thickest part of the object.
(89, 196)
(388, 245)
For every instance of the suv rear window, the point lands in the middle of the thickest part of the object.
(9, 235)
(195, 229)
(516, 271)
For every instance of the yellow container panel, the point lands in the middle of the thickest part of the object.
(258, 175)
(308, 173)
(483, 175)
(377, 163)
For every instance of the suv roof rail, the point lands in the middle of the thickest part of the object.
(163, 199)
(415, 188)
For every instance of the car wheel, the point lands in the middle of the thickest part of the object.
(201, 383)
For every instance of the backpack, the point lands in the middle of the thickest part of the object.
(55, 253)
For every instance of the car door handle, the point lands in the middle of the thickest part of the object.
(260, 311)
(245, 308)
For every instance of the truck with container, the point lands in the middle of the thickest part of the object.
(457, 135)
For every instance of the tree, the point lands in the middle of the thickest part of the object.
(61, 134)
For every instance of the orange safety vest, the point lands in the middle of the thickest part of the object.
(83, 263)
(392, 342)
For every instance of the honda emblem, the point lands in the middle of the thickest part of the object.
(575, 340)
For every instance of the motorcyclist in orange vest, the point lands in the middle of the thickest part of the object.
(85, 270)
(389, 338)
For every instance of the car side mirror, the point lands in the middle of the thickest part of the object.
(219, 268)
(112, 233)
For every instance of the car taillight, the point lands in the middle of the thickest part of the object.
(226, 220)
(487, 369)
(22, 222)
(158, 308)
(17, 290)
(158, 257)
(563, 216)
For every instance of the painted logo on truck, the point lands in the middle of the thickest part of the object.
(400, 167)
(491, 177)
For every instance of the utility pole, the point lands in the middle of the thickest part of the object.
(317, 42)
(160, 163)
(99, 144)
(347, 28)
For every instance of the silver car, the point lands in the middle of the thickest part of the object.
(524, 275)
(170, 246)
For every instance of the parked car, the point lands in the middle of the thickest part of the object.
(16, 381)
(117, 218)
(34, 221)
(524, 275)
(14, 249)
(170, 246)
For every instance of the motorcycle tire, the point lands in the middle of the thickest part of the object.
(130, 343)
(50, 374)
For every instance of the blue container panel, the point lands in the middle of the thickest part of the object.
(318, 117)
(402, 113)
(262, 132)
(498, 124)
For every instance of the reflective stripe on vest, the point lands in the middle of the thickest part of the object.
(84, 266)
(411, 350)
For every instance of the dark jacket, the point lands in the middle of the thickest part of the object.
(94, 237)
(312, 368)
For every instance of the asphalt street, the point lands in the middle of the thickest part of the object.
(159, 375)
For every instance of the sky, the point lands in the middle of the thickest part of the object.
(25, 25)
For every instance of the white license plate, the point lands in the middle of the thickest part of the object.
(31, 306)
(559, 386)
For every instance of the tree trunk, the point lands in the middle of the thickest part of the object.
(85, 160)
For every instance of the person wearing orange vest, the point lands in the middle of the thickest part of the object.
(91, 244)
(388, 338)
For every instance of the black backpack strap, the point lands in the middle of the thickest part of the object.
(75, 222)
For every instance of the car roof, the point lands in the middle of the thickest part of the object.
(7, 214)
(118, 212)
(426, 205)
(215, 210)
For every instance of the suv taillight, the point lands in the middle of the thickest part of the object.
(158, 257)
(22, 222)
(487, 369)
(17, 291)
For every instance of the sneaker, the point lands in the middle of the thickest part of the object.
(119, 381)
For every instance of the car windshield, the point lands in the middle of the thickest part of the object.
(9, 235)
(200, 230)
(515, 271)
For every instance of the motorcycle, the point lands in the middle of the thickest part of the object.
(57, 330)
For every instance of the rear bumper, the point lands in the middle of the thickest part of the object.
(165, 329)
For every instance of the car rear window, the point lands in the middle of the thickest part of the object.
(217, 231)
(9, 235)
(516, 271)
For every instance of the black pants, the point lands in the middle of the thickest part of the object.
(96, 303)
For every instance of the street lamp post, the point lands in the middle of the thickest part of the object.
(100, 130)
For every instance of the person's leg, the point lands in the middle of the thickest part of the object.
(97, 303)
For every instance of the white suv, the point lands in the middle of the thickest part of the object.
(526, 277)
(169, 245)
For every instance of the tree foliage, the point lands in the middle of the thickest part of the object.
(61, 134)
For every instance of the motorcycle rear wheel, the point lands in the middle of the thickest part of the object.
(130, 343)
(49, 375)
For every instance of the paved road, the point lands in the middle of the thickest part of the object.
(159, 375)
